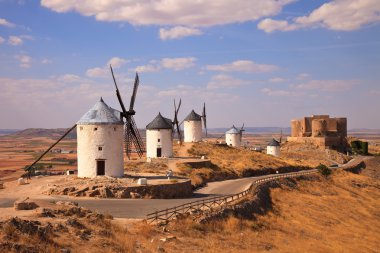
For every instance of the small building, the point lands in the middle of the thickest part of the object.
(273, 148)
(100, 135)
(193, 127)
(159, 138)
(233, 137)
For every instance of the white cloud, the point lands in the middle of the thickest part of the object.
(280, 93)
(2, 40)
(6, 23)
(104, 72)
(25, 60)
(178, 63)
(46, 61)
(116, 62)
(270, 25)
(175, 64)
(147, 68)
(178, 32)
(69, 78)
(15, 41)
(173, 12)
(98, 72)
(327, 85)
(341, 15)
(243, 66)
(303, 76)
(277, 80)
(225, 81)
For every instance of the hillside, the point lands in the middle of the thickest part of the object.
(43, 132)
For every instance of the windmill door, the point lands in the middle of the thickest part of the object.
(159, 152)
(100, 167)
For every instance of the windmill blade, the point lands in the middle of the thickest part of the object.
(133, 97)
(117, 92)
(175, 122)
(242, 128)
(52, 146)
(133, 137)
(127, 140)
(204, 117)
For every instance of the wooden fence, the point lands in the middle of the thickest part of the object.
(215, 202)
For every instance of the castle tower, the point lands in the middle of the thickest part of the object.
(273, 148)
(159, 139)
(193, 127)
(233, 137)
(100, 142)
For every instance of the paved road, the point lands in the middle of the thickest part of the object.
(139, 208)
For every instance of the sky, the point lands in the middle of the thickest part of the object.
(258, 62)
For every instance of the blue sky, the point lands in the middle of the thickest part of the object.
(262, 62)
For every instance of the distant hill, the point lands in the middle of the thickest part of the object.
(8, 131)
(254, 130)
(42, 132)
(364, 130)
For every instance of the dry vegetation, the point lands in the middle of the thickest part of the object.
(337, 214)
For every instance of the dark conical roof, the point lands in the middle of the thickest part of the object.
(160, 122)
(274, 143)
(233, 130)
(101, 114)
(193, 116)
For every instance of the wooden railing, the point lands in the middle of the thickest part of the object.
(215, 202)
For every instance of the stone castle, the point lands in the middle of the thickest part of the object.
(321, 130)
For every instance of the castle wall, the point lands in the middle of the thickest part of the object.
(100, 142)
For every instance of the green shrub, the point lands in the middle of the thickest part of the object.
(324, 170)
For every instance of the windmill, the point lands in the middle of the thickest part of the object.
(131, 133)
(175, 121)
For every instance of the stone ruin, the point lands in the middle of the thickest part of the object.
(320, 130)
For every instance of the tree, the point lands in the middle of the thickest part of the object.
(324, 170)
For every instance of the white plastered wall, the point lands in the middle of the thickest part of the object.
(159, 138)
(233, 140)
(192, 131)
(110, 139)
(273, 150)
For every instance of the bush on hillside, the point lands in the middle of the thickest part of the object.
(324, 170)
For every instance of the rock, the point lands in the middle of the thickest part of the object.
(135, 195)
(160, 249)
(142, 181)
(74, 223)
(45, 212)
(105, 192)
(168, 238)
(25, 205)
(93, 193)
(80, 192)
(1, 185)
(21, 181)
(65, 251)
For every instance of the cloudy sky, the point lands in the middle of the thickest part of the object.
(262, 62)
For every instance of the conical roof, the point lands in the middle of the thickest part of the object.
(160, 122)
(233, 130)
(274, 143)
(193, 116)
(101, 114)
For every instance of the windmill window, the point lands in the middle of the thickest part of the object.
(80, 128)
(100, 148)
(159, 140)
(114, 128)
(95, 128)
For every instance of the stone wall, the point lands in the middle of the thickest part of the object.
(167, 190)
